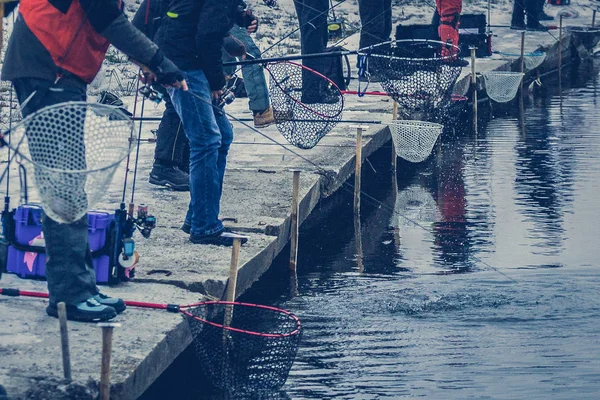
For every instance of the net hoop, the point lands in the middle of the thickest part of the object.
(371, 51)
(502, 86)
(25, 121)
(287, 92)
(531, 60)
(296, 331)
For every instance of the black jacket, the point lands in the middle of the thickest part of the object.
(191, 35)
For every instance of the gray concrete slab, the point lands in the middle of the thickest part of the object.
(257, 193)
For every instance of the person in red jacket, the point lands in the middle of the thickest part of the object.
(449, 12)
(55, 50)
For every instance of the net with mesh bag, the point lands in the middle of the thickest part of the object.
(303, 114)
(415, 73)
(244, 347)
(75, 149)
(414, 140)
(502, 86)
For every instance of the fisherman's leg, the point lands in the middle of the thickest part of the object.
(170, 141)
(254, 76)
(373, 20)
(70, 277)
(197, 115)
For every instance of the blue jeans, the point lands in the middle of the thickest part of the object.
(254, 75)
(210, 134)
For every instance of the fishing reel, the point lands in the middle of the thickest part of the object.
(228, 95)
(151, 94)
(144, 222)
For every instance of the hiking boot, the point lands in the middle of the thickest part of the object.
(545, 17)
(219, 239)
(537, 28)
(170, 176)
(264, 119)
(86, 311)
(517, 26)
(187, 228)
(114, 302)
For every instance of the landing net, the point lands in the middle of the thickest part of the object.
(306, 105)
(502, 86)
(415, 73)
(75, 149)
(244, 347)
(414, 140)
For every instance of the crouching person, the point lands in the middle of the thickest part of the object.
(192, 35)
(55, 50)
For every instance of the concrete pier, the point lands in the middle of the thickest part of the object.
(256, 200)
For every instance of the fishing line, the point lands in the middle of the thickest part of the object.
(131, 137)
(345, 185)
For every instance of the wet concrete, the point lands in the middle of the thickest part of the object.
(257, 193)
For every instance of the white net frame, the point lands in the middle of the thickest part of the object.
(414, 140)
(74, 149)
(502, 86)
(534, 60)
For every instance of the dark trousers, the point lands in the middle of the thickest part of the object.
(312, 16)
(529, 8)
(172, 147)
(69, 268)
(375, 20)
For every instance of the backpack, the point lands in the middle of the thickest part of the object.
(334, 68)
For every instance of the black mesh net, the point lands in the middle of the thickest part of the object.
(415, 74)
(244, 347)
(306, 104)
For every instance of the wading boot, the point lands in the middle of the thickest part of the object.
(264, 118)
(219, 239)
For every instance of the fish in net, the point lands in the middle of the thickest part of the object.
(74, 149)
(306, 105)
(502, 86)
(415, 73)
(244, 347)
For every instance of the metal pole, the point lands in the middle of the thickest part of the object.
(357, 170)
(107, 336)
(64, 340)
(474, 83)
(294, 220)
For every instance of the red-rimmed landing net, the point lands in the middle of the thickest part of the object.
(244, 347)
(306, 104)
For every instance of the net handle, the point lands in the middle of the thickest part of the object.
(183, 310)
(278, 84)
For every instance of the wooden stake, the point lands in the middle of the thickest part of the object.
(107, 336)
(294, 220)
(64, 340)
(522, 54)
(560, 26)
(394, 155)
(474, 83)
(358, 170)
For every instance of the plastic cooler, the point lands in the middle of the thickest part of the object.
(28, 232)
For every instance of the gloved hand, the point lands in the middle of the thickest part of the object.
(234, 47)
(245, 18)
(448, 35)
(166, 72)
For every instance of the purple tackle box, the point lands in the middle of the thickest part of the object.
(28, 232)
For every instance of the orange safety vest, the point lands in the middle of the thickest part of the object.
(69, 38)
